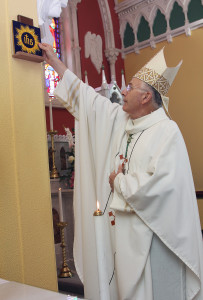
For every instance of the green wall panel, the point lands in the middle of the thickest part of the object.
(143, 32)
(177, 18)
(195, 11)
(160, 24)
(129, 37)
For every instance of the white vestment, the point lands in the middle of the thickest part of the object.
(155, 196)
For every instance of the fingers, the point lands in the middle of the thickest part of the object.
(120, 169)
(48, 54)
(113, 175)
(47, 49)
(111, 180)
(45, 46)
(41, 46)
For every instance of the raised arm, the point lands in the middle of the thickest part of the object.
(51, 58)
(69, 83)
(71, 91)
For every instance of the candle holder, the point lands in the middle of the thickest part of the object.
(98, 212)
(65, 271)
(54, 173)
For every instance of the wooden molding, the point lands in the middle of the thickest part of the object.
(25, 20)
(28, 56)
(199, 194)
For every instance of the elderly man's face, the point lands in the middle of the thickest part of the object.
(133, 96)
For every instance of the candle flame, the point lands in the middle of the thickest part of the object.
(98, 212)
(97, 205)
(49, 99)
(59, 189)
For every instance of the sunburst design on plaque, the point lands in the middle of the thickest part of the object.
(159, 82)
(27, 39)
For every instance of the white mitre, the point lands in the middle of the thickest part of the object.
(48, 9)
(158, 75)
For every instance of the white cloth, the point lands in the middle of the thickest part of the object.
(155, 196)
(169, 272)
(46, 10)
(159, 188)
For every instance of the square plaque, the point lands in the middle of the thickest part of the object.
(26, 38)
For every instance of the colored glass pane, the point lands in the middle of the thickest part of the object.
(52, 77)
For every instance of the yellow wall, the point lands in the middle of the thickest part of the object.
(186, 93)
(26, 233)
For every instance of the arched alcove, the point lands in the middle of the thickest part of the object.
(177, 17)
(160, 24)
(195, 10)
(143, 32)
(129, 37)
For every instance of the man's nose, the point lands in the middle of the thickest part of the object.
(124, 92)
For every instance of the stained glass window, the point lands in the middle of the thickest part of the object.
(51, 77)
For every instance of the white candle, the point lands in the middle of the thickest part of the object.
(60, 205)
(101, 256)
(50, 115)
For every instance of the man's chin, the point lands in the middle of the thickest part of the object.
(124, 107)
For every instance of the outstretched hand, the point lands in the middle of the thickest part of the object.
(51, 58)
(48, 53)
(113, 176)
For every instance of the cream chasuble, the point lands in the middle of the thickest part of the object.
(155, 196)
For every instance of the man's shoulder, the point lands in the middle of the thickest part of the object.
(167, 129)
(169, 125)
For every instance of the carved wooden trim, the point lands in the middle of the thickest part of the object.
(111, 52)
(131, 11)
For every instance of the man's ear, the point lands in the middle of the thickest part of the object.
(147, 96)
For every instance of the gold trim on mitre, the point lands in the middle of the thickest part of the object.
(151, 77)
(158, 75)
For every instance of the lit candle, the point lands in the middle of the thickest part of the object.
(50, 115)
(60, 205)
(101, 254)
(98, 209)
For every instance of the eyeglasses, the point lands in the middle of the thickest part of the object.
(131, 87)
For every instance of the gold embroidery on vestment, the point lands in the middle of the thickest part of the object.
(69, 108)
(73, 100)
